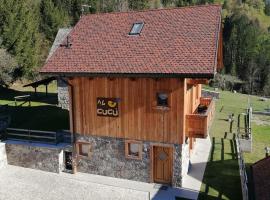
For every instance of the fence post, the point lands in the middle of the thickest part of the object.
(29, 136)
(242, 170)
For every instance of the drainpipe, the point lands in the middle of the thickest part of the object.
(74, 154)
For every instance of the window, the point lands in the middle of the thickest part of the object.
(83, 149)
(136, 28)
(133, 149)
(162, 99)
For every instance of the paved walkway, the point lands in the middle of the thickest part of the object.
(28, 184)
(199, 159)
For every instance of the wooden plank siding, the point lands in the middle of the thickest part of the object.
(139, 118)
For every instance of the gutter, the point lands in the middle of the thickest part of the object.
(71, 111)
(133, 75)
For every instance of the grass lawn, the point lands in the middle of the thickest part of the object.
(43, 114)
(221, 179)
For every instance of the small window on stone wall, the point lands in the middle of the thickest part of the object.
(133, 149)
(83, 149)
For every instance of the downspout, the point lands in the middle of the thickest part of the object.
(72, 129)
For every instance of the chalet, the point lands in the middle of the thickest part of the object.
(135, 89)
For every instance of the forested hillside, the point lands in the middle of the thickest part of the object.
(28, 28)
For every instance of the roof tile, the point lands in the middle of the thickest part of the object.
(172, 41)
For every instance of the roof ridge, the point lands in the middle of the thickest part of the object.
(155, 9)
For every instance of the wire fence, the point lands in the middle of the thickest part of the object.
(243, 135)
(242, 169)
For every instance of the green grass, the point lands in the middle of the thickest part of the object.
(261, 139)
(221, 179)
(43, 114)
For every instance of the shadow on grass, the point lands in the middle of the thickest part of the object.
(46, 118)
(221, 178)
(9, 94)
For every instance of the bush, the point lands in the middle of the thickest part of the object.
(8, 67)
(226, 82)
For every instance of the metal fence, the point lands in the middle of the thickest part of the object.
(243, 133)
(37, 136)
(242, 170)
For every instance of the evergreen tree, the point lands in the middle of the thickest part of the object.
(20, 32)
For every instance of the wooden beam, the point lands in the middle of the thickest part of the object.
(197, 81)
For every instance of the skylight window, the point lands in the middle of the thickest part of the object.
(136, 28)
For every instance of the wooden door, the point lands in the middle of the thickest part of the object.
(162, 164)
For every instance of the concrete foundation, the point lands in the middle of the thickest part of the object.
(3, 155)
(245, 144)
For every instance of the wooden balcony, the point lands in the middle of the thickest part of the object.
(199, 123)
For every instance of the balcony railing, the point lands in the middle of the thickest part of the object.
(199, 123)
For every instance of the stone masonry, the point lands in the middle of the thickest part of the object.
(177, 166)
(35, 157)
(63, 96)
(108, 159)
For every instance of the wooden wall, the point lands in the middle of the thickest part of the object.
(193, 94)
(138, 119)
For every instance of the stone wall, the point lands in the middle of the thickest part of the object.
(63, 96)
(177, 166)
(185, 159)
(108, 159)
(3, 155)
(44, 157)
(209, 93)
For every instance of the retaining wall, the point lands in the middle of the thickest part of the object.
(43, 157)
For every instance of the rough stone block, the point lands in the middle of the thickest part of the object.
(35, 157)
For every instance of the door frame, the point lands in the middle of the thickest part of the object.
(152, 145)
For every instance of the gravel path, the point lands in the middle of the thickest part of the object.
(27, 184)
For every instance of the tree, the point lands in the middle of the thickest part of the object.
(138, 4)
(246, 51)
(52, 18)
(8, 66)
(20, 32)
(267, 9)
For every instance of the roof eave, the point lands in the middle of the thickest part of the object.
(132, 75)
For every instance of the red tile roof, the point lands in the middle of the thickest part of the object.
(179, 41)
(261, 179)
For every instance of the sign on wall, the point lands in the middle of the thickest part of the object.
(107, 107)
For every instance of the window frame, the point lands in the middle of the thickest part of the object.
(157, 106)
(127, 144)
(78, 149)
(139, 32)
